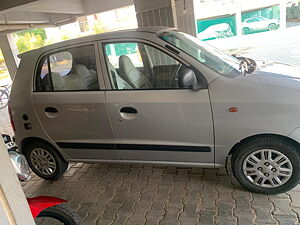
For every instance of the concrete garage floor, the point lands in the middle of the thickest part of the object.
(144, 194)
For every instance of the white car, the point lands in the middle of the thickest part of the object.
(215, 31)
(259, 23)
(157, 95)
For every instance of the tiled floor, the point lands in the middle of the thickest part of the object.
(143, 194)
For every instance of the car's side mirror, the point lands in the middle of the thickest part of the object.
(187, 79)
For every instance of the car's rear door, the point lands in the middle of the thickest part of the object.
(70, 102)
(157, 121)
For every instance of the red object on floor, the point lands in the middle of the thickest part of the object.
(38, 204)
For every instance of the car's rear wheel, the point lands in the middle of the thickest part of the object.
(246, 30)
(44, 160)
(269, 165)
(272, 26)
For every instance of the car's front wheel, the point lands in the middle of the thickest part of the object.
(268, 164)
(272, 26)
(246, 31)
(45, 161)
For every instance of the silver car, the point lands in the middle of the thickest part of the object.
(159, 96)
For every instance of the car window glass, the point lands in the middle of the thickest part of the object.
(61, 63)
(135, 65)
(72, 69)
(208, 55)
(114, 51)
(43, 80)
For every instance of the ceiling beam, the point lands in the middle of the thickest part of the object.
(49, 6)
(6, 4)
(53, 6)
(97, 6)
(34, 18)
(23, 17)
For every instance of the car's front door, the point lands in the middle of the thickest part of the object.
(153, 117)
(71, 105)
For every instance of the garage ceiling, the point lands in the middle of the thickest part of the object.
(25, 14)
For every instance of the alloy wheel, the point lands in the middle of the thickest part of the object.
(267, 168)
(43, 161)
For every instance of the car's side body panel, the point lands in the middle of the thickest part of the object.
(261, 110)
(171, 125)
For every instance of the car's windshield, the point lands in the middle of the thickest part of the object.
(213, 58)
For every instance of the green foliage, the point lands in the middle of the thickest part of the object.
(29, 41)
(1, 57)
(293, 13)
(37, 31)
(98, 27)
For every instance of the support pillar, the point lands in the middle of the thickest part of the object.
(282, 14)
(14, 208)
(10, 53)
(169, 13)
(155, 13)
(238, 18)
(186, 16)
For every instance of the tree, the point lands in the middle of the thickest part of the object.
(97, 27)
(35, 31)
(29, 41)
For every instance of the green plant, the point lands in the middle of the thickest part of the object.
(98, 27)
(36, 31)
(29, 41)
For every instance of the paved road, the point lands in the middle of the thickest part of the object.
(105, 194)
(280, 45)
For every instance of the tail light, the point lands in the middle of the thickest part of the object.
(11, 118)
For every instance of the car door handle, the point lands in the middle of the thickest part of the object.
(51, 110)
(128, 110)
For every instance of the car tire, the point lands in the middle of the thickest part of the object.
(246, 31)
(261, 163)
(45, 161)
(62, 213)
(272, 26)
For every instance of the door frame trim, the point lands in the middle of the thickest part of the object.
(142, 162)
(172, 148)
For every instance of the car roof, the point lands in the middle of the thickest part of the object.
(101, 36)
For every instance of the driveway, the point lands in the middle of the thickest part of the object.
(279, 45)
(145, 194)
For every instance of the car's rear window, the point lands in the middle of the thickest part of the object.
(71, 69)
